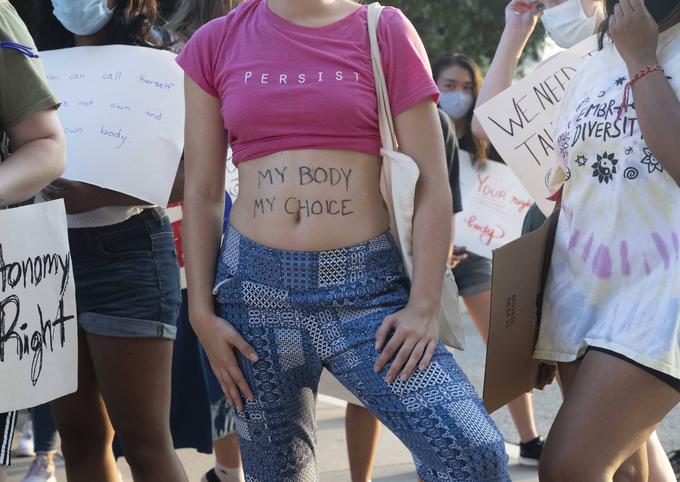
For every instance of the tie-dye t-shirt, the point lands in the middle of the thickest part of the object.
(614, 281)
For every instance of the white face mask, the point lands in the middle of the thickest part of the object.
(82, 17)
(567, 24)
(456, 104)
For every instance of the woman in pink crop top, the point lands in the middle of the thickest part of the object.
(308, 276)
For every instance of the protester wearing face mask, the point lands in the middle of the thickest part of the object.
(568, 22)
(459, 80)
(611, 315)
(618, 366)
(127, 286)
(521, 19)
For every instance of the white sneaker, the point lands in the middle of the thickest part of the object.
(42, 470)
(25, 447)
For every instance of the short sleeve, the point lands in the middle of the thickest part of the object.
(452, 161)
(404, 59)
(23, 86)
(199, 56)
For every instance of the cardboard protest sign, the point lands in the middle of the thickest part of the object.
(123, 116)
(519, 273)
(38, 327)
(494, 205)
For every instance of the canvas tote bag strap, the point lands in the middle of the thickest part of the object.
(387, 133)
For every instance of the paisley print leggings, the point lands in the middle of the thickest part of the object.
(306, 311)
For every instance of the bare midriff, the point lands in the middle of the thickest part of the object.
(310, 200)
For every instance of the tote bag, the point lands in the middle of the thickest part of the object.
(398, 185)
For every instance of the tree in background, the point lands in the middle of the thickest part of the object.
(472, 27)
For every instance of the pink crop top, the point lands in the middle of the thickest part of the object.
(284, 86)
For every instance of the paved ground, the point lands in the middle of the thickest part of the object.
(393, 462)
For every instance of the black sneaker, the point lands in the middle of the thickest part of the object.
(674, 457)
(530, 452)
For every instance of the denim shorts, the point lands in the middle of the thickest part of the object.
(127, 277)
(473, 275)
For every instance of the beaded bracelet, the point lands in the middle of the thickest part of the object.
(629, 86)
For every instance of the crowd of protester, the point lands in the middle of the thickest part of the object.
(230, 362)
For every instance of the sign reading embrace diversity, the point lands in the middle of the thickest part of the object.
(38, 326)
(123, 116)
(494, 206)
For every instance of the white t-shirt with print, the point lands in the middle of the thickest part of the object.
(614, 281)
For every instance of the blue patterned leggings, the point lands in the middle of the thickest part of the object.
(305, 311)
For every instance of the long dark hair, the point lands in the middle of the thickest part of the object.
(673, 17)
(131, 24)
(479, 148)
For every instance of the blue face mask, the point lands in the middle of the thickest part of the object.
(82, 17)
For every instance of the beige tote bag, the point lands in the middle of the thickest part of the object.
(398, 184)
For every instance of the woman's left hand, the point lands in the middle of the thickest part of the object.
(635, 34)
(78, 197)
(415, 335)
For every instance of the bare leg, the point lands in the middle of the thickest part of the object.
(227, 451)
(521, 409)
(134, 379)
(84, 426)
(362, 430)
(660, 469)
(610, 410)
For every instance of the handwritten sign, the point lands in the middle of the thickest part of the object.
(519, 123)
(494, 206)
(38, 327)
(123, 116)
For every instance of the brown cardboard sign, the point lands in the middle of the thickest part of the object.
(519, 272)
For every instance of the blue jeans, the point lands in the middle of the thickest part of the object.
(44, 429)
(127, 277)
(305, 311)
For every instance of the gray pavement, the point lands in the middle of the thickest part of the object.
(393, 462)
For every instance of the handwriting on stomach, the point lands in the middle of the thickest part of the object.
(338, 179)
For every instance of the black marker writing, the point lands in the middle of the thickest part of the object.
(320, 175)
(309, 208)
(260, 206)
(268, 177)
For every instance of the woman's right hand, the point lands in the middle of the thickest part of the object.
(522, 16)
(219, 339)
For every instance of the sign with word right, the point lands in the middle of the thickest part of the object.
(38, 326)
(494, 206)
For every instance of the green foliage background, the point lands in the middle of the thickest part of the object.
(471, 27)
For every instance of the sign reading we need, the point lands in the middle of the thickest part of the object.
(38, 327)
(123, 115)
(494, 206)
(519, 120)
